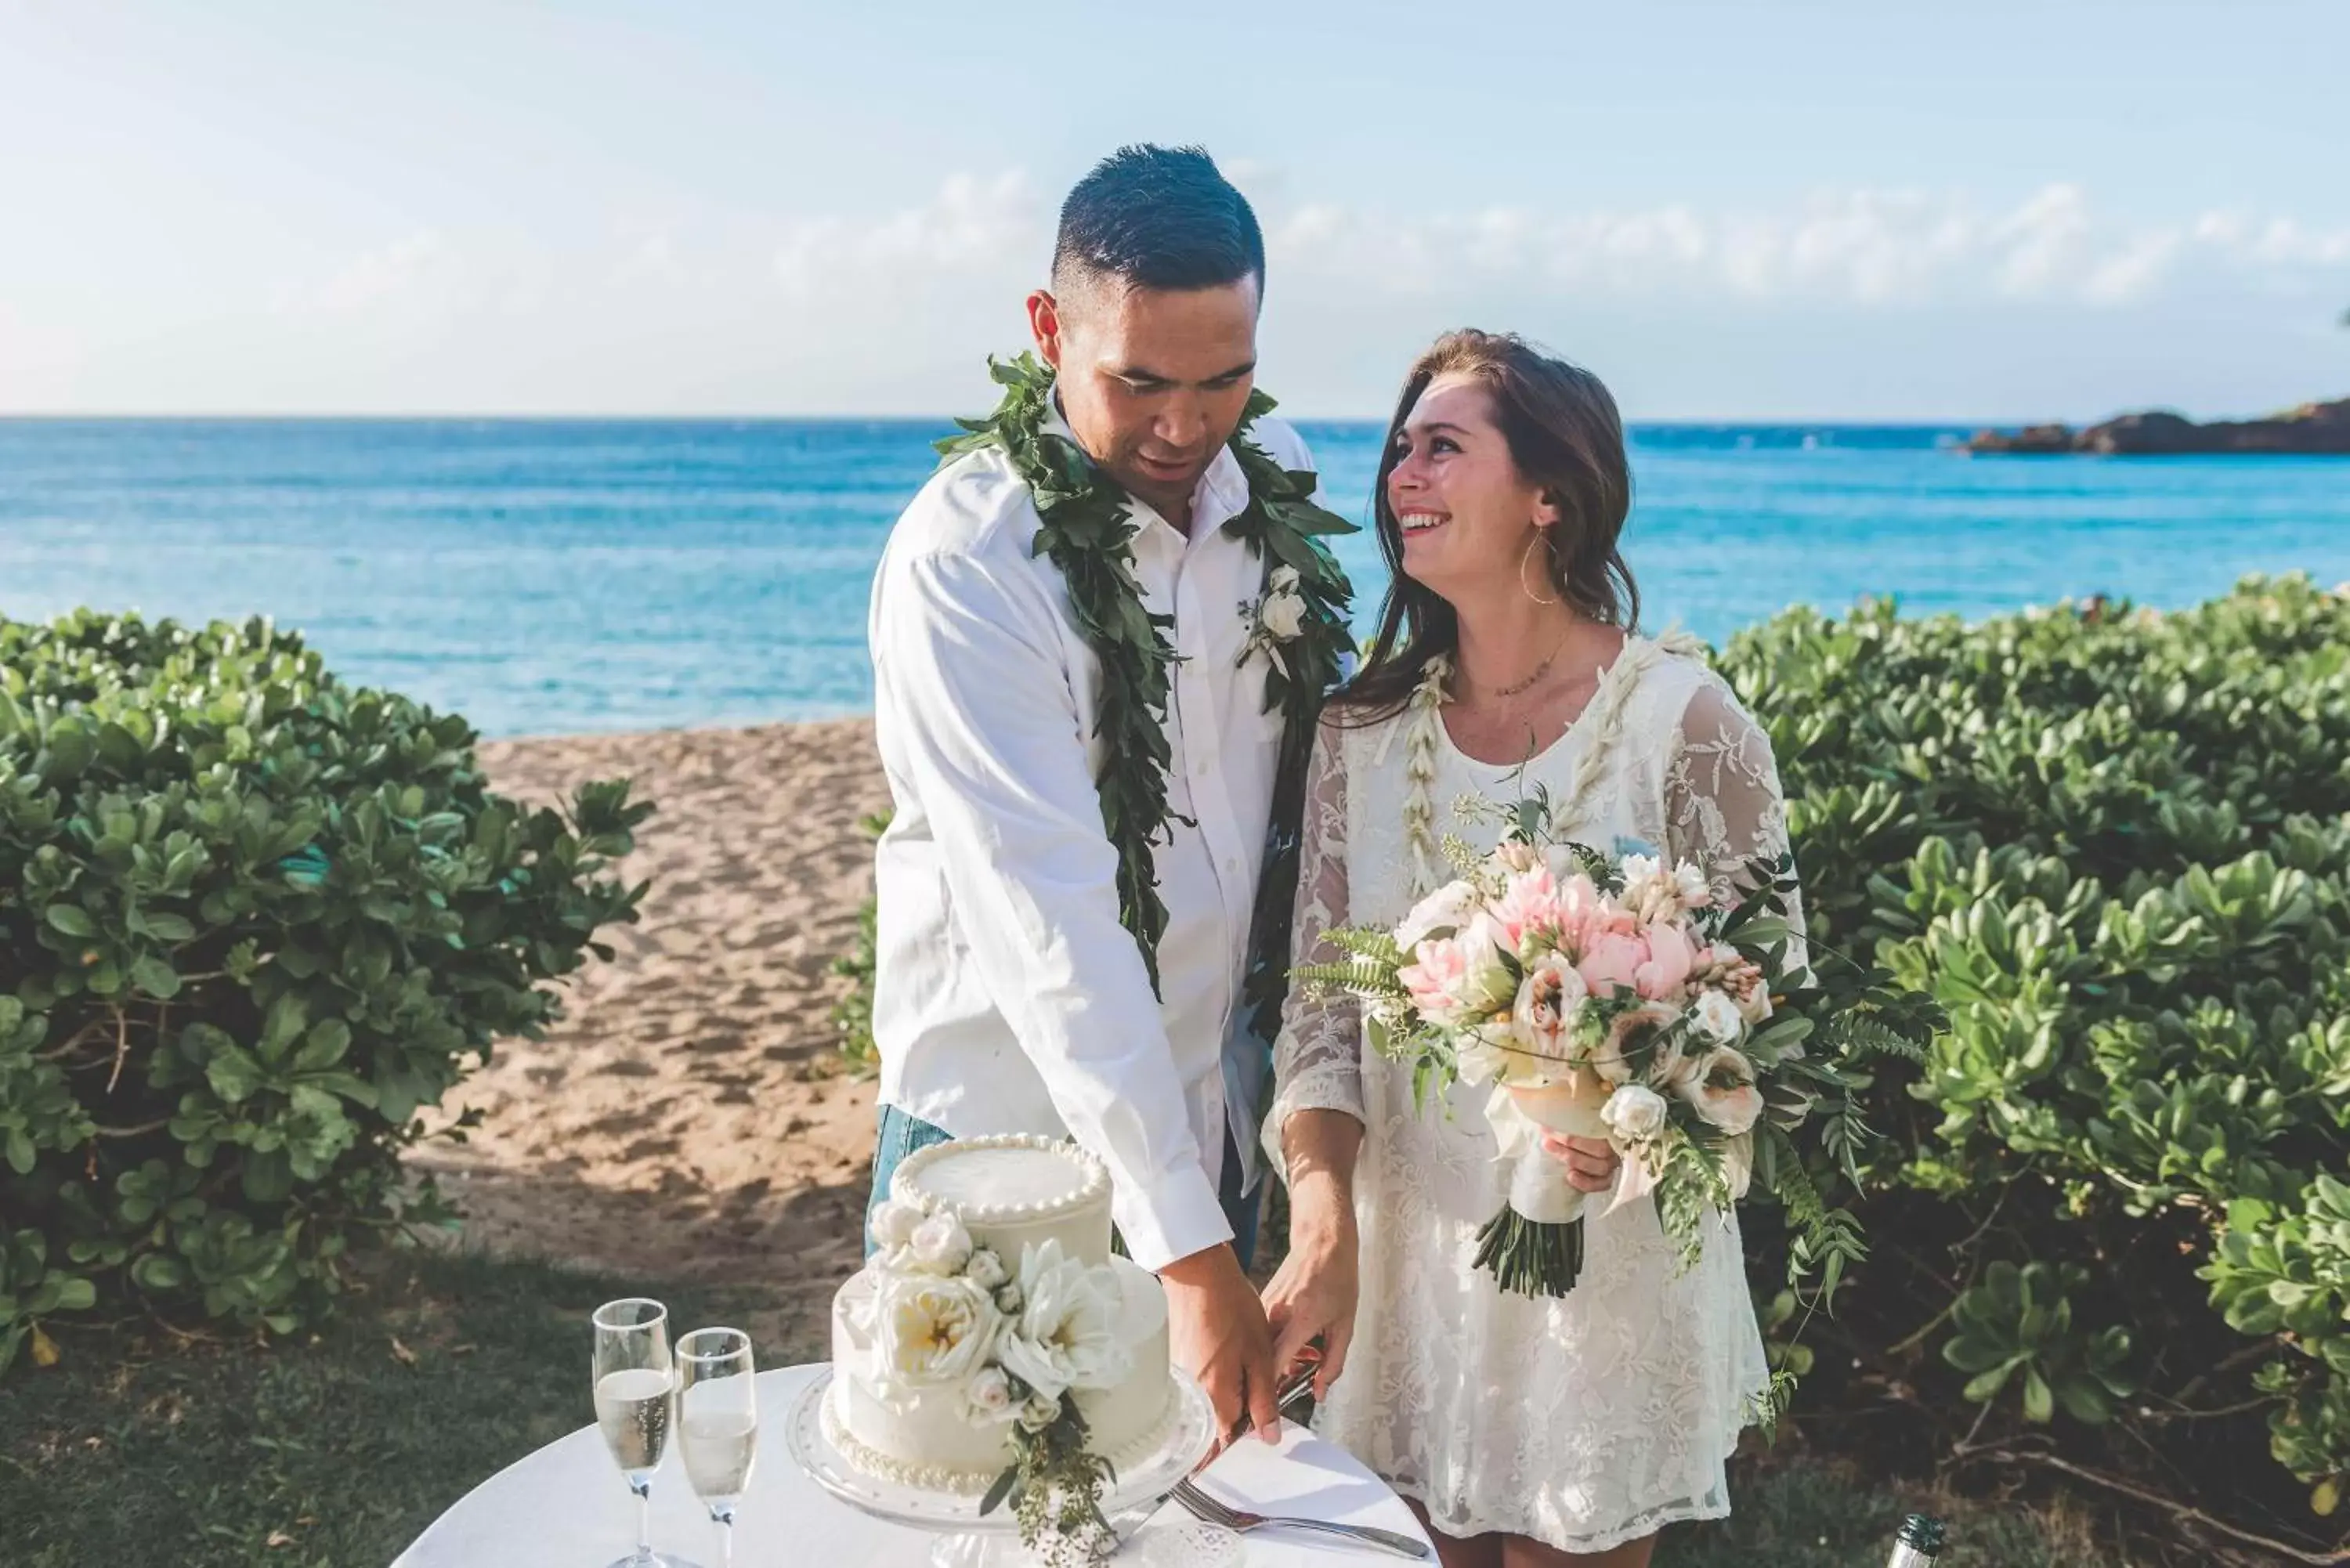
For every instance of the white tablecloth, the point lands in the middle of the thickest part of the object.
(566, 1506)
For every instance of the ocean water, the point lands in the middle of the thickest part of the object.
(549, 577)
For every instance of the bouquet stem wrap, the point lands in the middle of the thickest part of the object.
(1533, 1244)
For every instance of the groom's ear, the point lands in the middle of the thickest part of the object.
(1045, 325)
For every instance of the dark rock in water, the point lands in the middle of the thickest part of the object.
(2311, 429)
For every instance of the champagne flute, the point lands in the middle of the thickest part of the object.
(717, 1422)
(635, 1396)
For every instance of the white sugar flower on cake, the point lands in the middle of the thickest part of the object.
(931, 1332)
(1065, 1335)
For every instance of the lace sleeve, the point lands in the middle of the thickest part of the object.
(1317, 1061)
(1722, 806)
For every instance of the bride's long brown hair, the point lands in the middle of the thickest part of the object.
(1563, 434)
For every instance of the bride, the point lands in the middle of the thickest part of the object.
(1525, 1431)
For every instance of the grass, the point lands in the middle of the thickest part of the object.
(332, 1452)
(1811, 1514)
(336, 1452)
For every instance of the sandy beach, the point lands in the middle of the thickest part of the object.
(691, 1117)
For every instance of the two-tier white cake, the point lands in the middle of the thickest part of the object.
(995, 1271)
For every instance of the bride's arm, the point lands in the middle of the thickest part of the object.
(1723, 808)
(1315, 1127)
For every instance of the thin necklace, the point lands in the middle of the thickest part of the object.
(1539, 672)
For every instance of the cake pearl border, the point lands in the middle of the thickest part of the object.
(959, 1482)
(905, 1186)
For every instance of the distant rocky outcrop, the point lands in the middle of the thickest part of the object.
(2311, 429)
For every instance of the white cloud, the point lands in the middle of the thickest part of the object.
(1863, 247)
(419, 263)
(970, 225)
(1867, 299)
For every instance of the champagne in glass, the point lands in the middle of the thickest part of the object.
(717, 1422)
(636, 1394)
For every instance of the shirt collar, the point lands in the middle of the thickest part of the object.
(1221, 495)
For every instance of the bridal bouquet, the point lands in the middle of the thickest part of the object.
(1014, 1344)
(1614, 997)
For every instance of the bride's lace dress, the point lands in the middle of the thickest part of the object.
(1594, 1419)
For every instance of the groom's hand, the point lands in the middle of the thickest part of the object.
(1216, 1332)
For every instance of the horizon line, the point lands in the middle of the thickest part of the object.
(462, 417)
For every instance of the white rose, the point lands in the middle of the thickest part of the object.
(1039, 1413)
(1633, 1112)
(1719, 1016)
(1008, 1300)
(894, 1223)
(930, 1331)
(1065, 1334)
(1722, 1092)
(1443, 911)
(1282, 615)
(986, 1270)
(939, 1245)
(987, 1398)
(1285, 578)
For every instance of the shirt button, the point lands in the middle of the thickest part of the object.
(1200, 768)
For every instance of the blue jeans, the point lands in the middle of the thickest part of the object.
(900, 1134)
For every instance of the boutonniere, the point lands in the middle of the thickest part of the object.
(1277, 617)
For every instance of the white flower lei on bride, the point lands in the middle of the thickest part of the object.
(1423, 731)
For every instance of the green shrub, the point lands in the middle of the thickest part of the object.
(852, 1015)
(251, 920)
(2114, 846)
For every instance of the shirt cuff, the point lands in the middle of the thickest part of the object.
(1175, 1216)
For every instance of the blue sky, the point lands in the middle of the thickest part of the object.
(1783, 210)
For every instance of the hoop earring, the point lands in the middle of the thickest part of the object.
(1526, 554)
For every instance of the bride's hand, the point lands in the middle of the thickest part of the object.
(1590, 1162)
(1312, 1296)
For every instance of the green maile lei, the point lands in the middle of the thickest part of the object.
(1087, 533)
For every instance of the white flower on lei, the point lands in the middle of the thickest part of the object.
(930, 1331)
(1275, 619)
(1066, 1335)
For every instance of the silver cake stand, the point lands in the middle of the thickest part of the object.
(968, 1539)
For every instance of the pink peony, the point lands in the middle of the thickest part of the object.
(1529, 907)
(1463, 978)
(1671, 957)
(1611, 960)
(1434, 979)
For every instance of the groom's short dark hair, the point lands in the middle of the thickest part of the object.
(1158, 218)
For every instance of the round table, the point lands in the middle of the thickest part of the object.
(566, 1506)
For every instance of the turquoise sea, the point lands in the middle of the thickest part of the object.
(546, 577)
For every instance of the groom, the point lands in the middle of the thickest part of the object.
(1082, 790)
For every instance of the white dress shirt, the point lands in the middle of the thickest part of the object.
(1007, 997)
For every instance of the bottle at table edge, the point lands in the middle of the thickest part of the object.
(1917, 1543)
